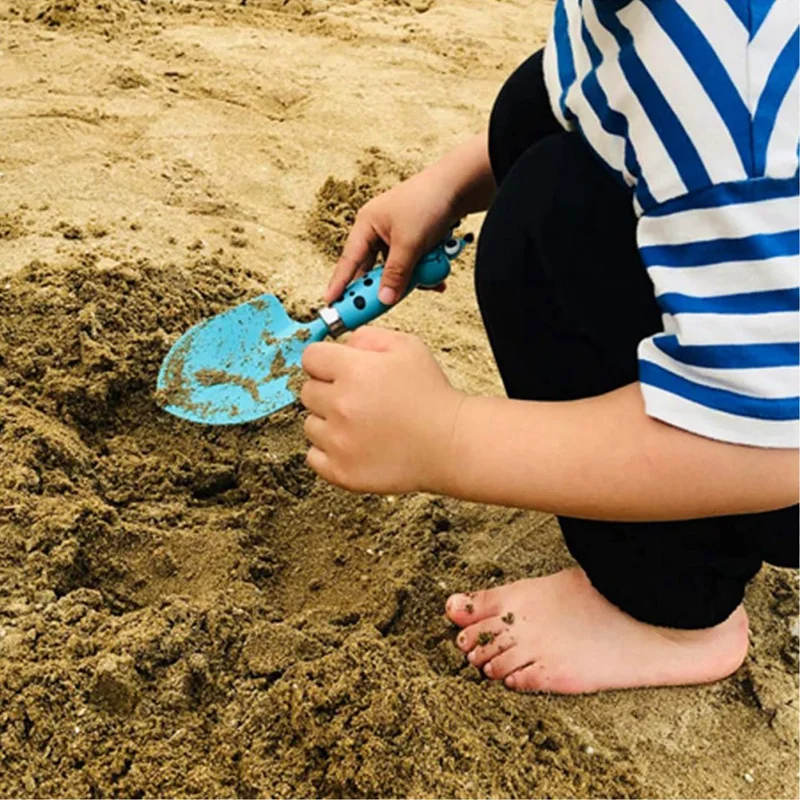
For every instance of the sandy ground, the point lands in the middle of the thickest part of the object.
(186, 611)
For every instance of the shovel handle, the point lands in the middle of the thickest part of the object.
(359, 304)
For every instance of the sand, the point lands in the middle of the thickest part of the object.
(188, 611)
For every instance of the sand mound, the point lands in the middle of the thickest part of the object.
(55, 13)
(177, 597)
(338, 201)
(110, 13)
(11, 227)
(304, 7)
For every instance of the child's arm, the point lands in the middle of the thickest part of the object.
(605, 458)
(413, 216)
(468, 173)
(385, 419)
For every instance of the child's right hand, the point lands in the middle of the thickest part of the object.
(409, 219)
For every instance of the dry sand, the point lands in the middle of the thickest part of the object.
(187, 611)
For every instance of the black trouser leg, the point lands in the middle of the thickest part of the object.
(566, 300)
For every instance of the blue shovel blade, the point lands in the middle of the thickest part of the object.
(236, 367)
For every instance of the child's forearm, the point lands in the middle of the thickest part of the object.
(604, 458)
(466, 174)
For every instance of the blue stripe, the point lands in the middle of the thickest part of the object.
(566, 66)
(780, 78)
(611, 120)
(719, 251)
(643, 195)
(746, 303)
(597, 99)
(758, 11)
(664, 120)
(706, 65)
(778, 409)
(730, 356)
(742, 10)
(728, 194)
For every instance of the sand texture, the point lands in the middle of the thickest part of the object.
(188, 611)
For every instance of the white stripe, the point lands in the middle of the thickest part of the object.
(767, 382)
(730, 278)
(770, 39)
(777, 326)
(782, 149)
(573, 14)
(685, 95)
(606, 145)
(721, 222)
(552, 81)
(609, 146)
(669, 324)
(663, 178)
(681, 413)
(725, 33)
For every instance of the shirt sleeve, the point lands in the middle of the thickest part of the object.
(724, 266)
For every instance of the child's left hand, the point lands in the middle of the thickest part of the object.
(382, 412)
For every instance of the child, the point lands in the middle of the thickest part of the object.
(637, 277)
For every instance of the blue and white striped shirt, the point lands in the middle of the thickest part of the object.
(694, 105)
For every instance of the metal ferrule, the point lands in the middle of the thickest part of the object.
(330, 316)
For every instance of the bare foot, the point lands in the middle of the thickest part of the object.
(558, 634)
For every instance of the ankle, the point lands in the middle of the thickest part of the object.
(735, 626)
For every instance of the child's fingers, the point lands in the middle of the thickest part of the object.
(358, 256)
(403, 255)
(324, 361)
(315, 431)
(378, 340)
(316, 397)
(318, 461)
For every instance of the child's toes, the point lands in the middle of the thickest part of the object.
(460, 609)
(464, 609)
(467, 640)
(531, 678)
(507, 662)
(480, 634)
(489, 645)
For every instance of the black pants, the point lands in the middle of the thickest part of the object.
(566, 300)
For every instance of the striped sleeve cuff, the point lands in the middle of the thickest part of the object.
(724, 266)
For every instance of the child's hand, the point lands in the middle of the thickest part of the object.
(409, 219)
(382, 412)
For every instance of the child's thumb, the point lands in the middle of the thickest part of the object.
(399, 265)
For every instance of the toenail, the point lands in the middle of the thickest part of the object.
(462, 639)
(454, 601)
(511, 681)
(471, 657)
(489, 669)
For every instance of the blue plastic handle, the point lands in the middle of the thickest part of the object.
(359, 304)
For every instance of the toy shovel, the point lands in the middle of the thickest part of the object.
(244, 364)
